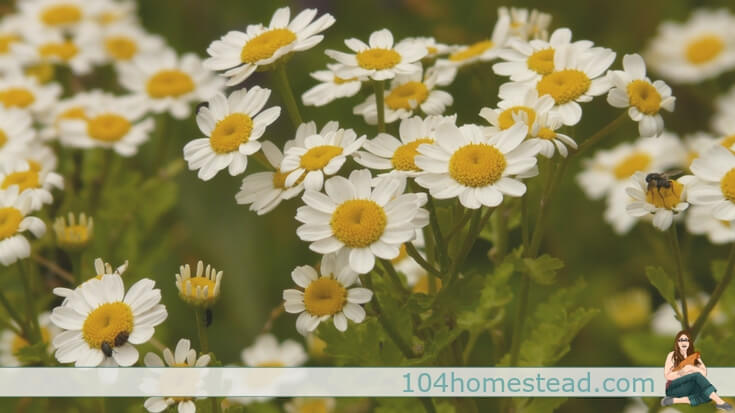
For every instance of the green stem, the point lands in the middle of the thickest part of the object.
(288, 97)
(395, 279)
(674, 239)
(477, 223)
(414, 253)
(716, 294)
(524, 221)
(200, 318)
(428, 404)
(387, 326)
(606, 130)
(215, 405)
(162, 125)
(76, 266)
(474, 335)
(100, 182)
(379, 87)
(515, 343)
(31, 314)
(439, 241)
(13, 314)
(263, 161)
(500, 224)
(458, 227)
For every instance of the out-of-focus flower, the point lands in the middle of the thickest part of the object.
(72, 235)
(203, 289)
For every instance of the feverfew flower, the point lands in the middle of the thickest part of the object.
(24, 92)
(101, 268)
(699, 142)
(169, 83)
(525, 24)
(241, 54)
(79, 52)
(481, 51)
(233, 126)
(544, 133)
(74, 235)
(379, 60)
(101, 316)
(332, 87)
(408, 95)
(73, 107)
(698, 49)
(32, 181)
(663, 199)
(56, 14)
(633, 90)
(203, 289)
(510, 109)
(268, 352)
(465, 163)
(433, 48)
(715, 185)
(14, 220)
(700, 220)
(12, 343)
(16, 131)
(123, 42)
(326, 294)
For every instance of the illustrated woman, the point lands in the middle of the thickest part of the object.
(685, 374)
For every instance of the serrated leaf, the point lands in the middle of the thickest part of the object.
(664, 284)
(495, 294)
(543, 269)
(32, 354)
(646, 349)
(364, 344)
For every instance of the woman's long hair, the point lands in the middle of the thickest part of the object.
(678, 358)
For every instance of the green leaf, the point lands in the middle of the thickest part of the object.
(543, 269)
(646, 349)
(364, 344)
(495, 294)
(32, 354)
(664, 284)
(717, 351)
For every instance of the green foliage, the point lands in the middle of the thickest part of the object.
(543, 269)
(646, 349)
(364, 344)
(410, 405)
(717, 351)
(32, 354)
(664, 284)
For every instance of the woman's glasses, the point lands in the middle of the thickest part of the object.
(683, 340)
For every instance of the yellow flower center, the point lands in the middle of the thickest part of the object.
(358, 222)
(62, 50)
(6, 40)
(43, 72)
(564, 86)
(10, 219)
(546, 133)
(105, 322)
(231, 132)
(471, 51)
(19, 343)
(61, 14)
(728, 142)
(378, 59)
(76, 112)
(727, 185)
(505, 119)
(266, 44)
(477, 165)
(633, 163)
(704, 49)
(17, 97)
(318, 157)
(422, 285)
(313, 406)
(24, 179)
(109, 17)
(199, 282)
(403, 158)
(271, 363)
(169, 83)
(430, 50)
(324, 296)
(542, 62)
(108, 127)
(401, 97)
(644, 96)
(73, 235)
(665, 197)
(3, 138)
(121, 47)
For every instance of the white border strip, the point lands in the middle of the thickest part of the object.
(345, 382)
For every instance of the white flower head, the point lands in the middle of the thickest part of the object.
(332, 87)
(378, 60)
(103, 323)
(544, 133)
(57, 15)
(326, 294)
(268, 352)
(643, 98)
(31, 181)
(433, 48)
(530, 104)
(233, 126)
(123, 42)
(465, 163)
(526, 24)
(16, 132)
(14, 210)
(24, 92)
(79, 52)
(715, 184)
(101, 268)
(481, 51)
(656, 195)
(700, 221)
(73, 107)
(11, 343)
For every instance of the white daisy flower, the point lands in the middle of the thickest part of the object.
(117, 123)
(326, 294)
(544, 133)
(233, 126)
(267, 352)
(610, 168)
(16, 132)
(332, 87)
(509, 109)
(23, 92)
(433, 48)
(36, 184)
(700, 221)
(699, 142)
(715, 185)
(124, 42)
(103, 322)
(56, 14)
(11, 343)
(378, 60)
(74, 107)
(310, 404)
(464, 163)
(353, 219)
(264, 191)
(408, 95)
(633, 90)
(183, 356)
(15, 52)
(320, 155)
(112, 12)
(481, 51)
(79, 52)
(526, 24)
(577, 78)
(169, 83)
(698, 49)
(659, 200)
(101, 268)
(14, 218)
(74, 235)
(532, 60)
(241, 54)
(386, 152)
